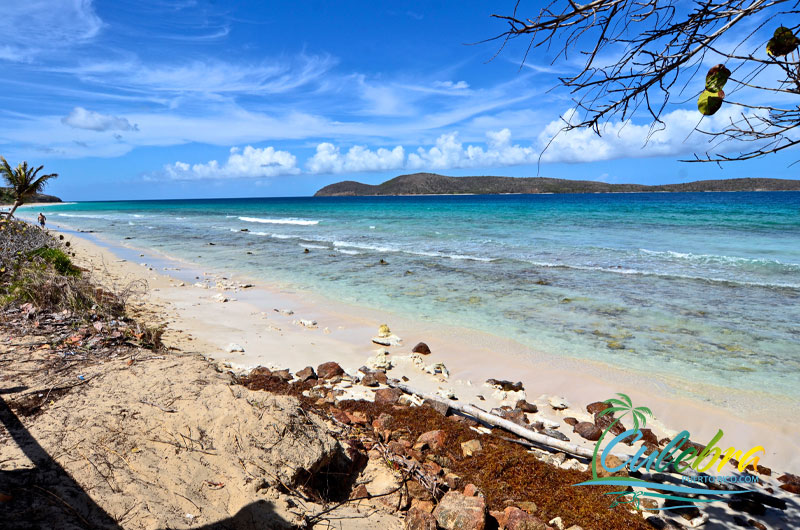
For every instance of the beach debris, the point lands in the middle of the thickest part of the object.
(557, 522)
(284, 312)
(524, 406)
(558, 403)
(446, 393)
(329, 370)
(380, 361)
(311, 324)
(422, 349)
(503, 384)
(438, 368)
(391, 340)
(326, 330)
(220, 298)
(201, 285)
(233, 347)
(384, 331)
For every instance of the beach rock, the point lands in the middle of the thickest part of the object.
(503, 384)
(612, 462)
(528, 506)
(446, 393)
(439, 406)
(524, 406)
(571, 421)
(417, 519)
(597, 406)
(221, 298)
(649, 437)
(791, 488)
(607, 419)
(369, 380)
(588, 431)
(558, 403)
(555, 434)
(433, 439)
(260, 370)
(384, 331)
(380, 361)
(329, 370)
(471, 447)
(284, 312)
(557, 522)
(283, 374)
(516, 519)
(422, 349)
(391, 340)
(471, 490)
(388, 395)
(382, 422)
(788, 478)
(305, 323)
(305, 374)
(233, 347)
(458, 512)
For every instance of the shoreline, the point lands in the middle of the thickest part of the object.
(270, 339)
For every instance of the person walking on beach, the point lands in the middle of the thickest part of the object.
(42, 219)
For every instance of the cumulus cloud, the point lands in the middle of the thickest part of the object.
(80, 118)
(449, 153)
(625, 139)
(248, 163)
(329, 159)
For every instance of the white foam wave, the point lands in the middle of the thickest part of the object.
(307, 245)
(282, 221)
(713, 258)
(432, 254)
(345, 251)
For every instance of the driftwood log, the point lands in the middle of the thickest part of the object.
(497, 421)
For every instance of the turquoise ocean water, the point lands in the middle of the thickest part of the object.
(705, 286)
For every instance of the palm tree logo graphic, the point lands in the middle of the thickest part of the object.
(624, 405)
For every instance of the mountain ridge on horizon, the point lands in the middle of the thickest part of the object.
(435, 184)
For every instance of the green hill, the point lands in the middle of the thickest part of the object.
(433, 184)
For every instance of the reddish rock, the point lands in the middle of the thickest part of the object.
(380, 375)
(524, 406)
(260, 370)
(571, 421)
(763, 470)
(612, 462)
(418, 491)
(587, 430)
(358, 417)
(305, 374)
(341, 416)
(370, 380)
(457, 512)
(471, 490)
(791, 488)
(425, 506)
(433, 439)
(417, 519)
(597, 406)
(383, 422)
(283, 374)
(607, 419)
(360, 493)
(516, 519)
(649, 437)
(788, 478)
(432, 468)
(453, 481)
(329, 370)
(388, 395)
(422, 348)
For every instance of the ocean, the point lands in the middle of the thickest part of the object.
(701, 287)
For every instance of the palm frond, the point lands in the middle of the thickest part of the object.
(611, 410)
(615, 402)
(645, 410)
(626, 398)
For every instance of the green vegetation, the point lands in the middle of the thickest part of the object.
(433, 184)
(25, 182)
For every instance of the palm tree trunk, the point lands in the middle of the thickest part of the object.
(17, 204)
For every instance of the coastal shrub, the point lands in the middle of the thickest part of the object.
(57, 258)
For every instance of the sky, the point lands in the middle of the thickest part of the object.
(151, 99)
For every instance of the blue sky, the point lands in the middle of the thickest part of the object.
(151, 99)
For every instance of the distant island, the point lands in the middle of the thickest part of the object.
(433, 184)
(7, 197)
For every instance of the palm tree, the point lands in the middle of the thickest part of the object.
(23, 181)
(626, 405)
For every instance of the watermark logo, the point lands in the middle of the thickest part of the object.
(675, 457)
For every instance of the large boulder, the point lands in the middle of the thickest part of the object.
(329, 370)
(459, 512)
(421, 348)
(588, 430)
(417, 519)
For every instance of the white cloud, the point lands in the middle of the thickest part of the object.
(449, 153)
(624, 139)
(80, 118)
(248, 163)
(329, 159)
(37, 26)
(461, 85)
